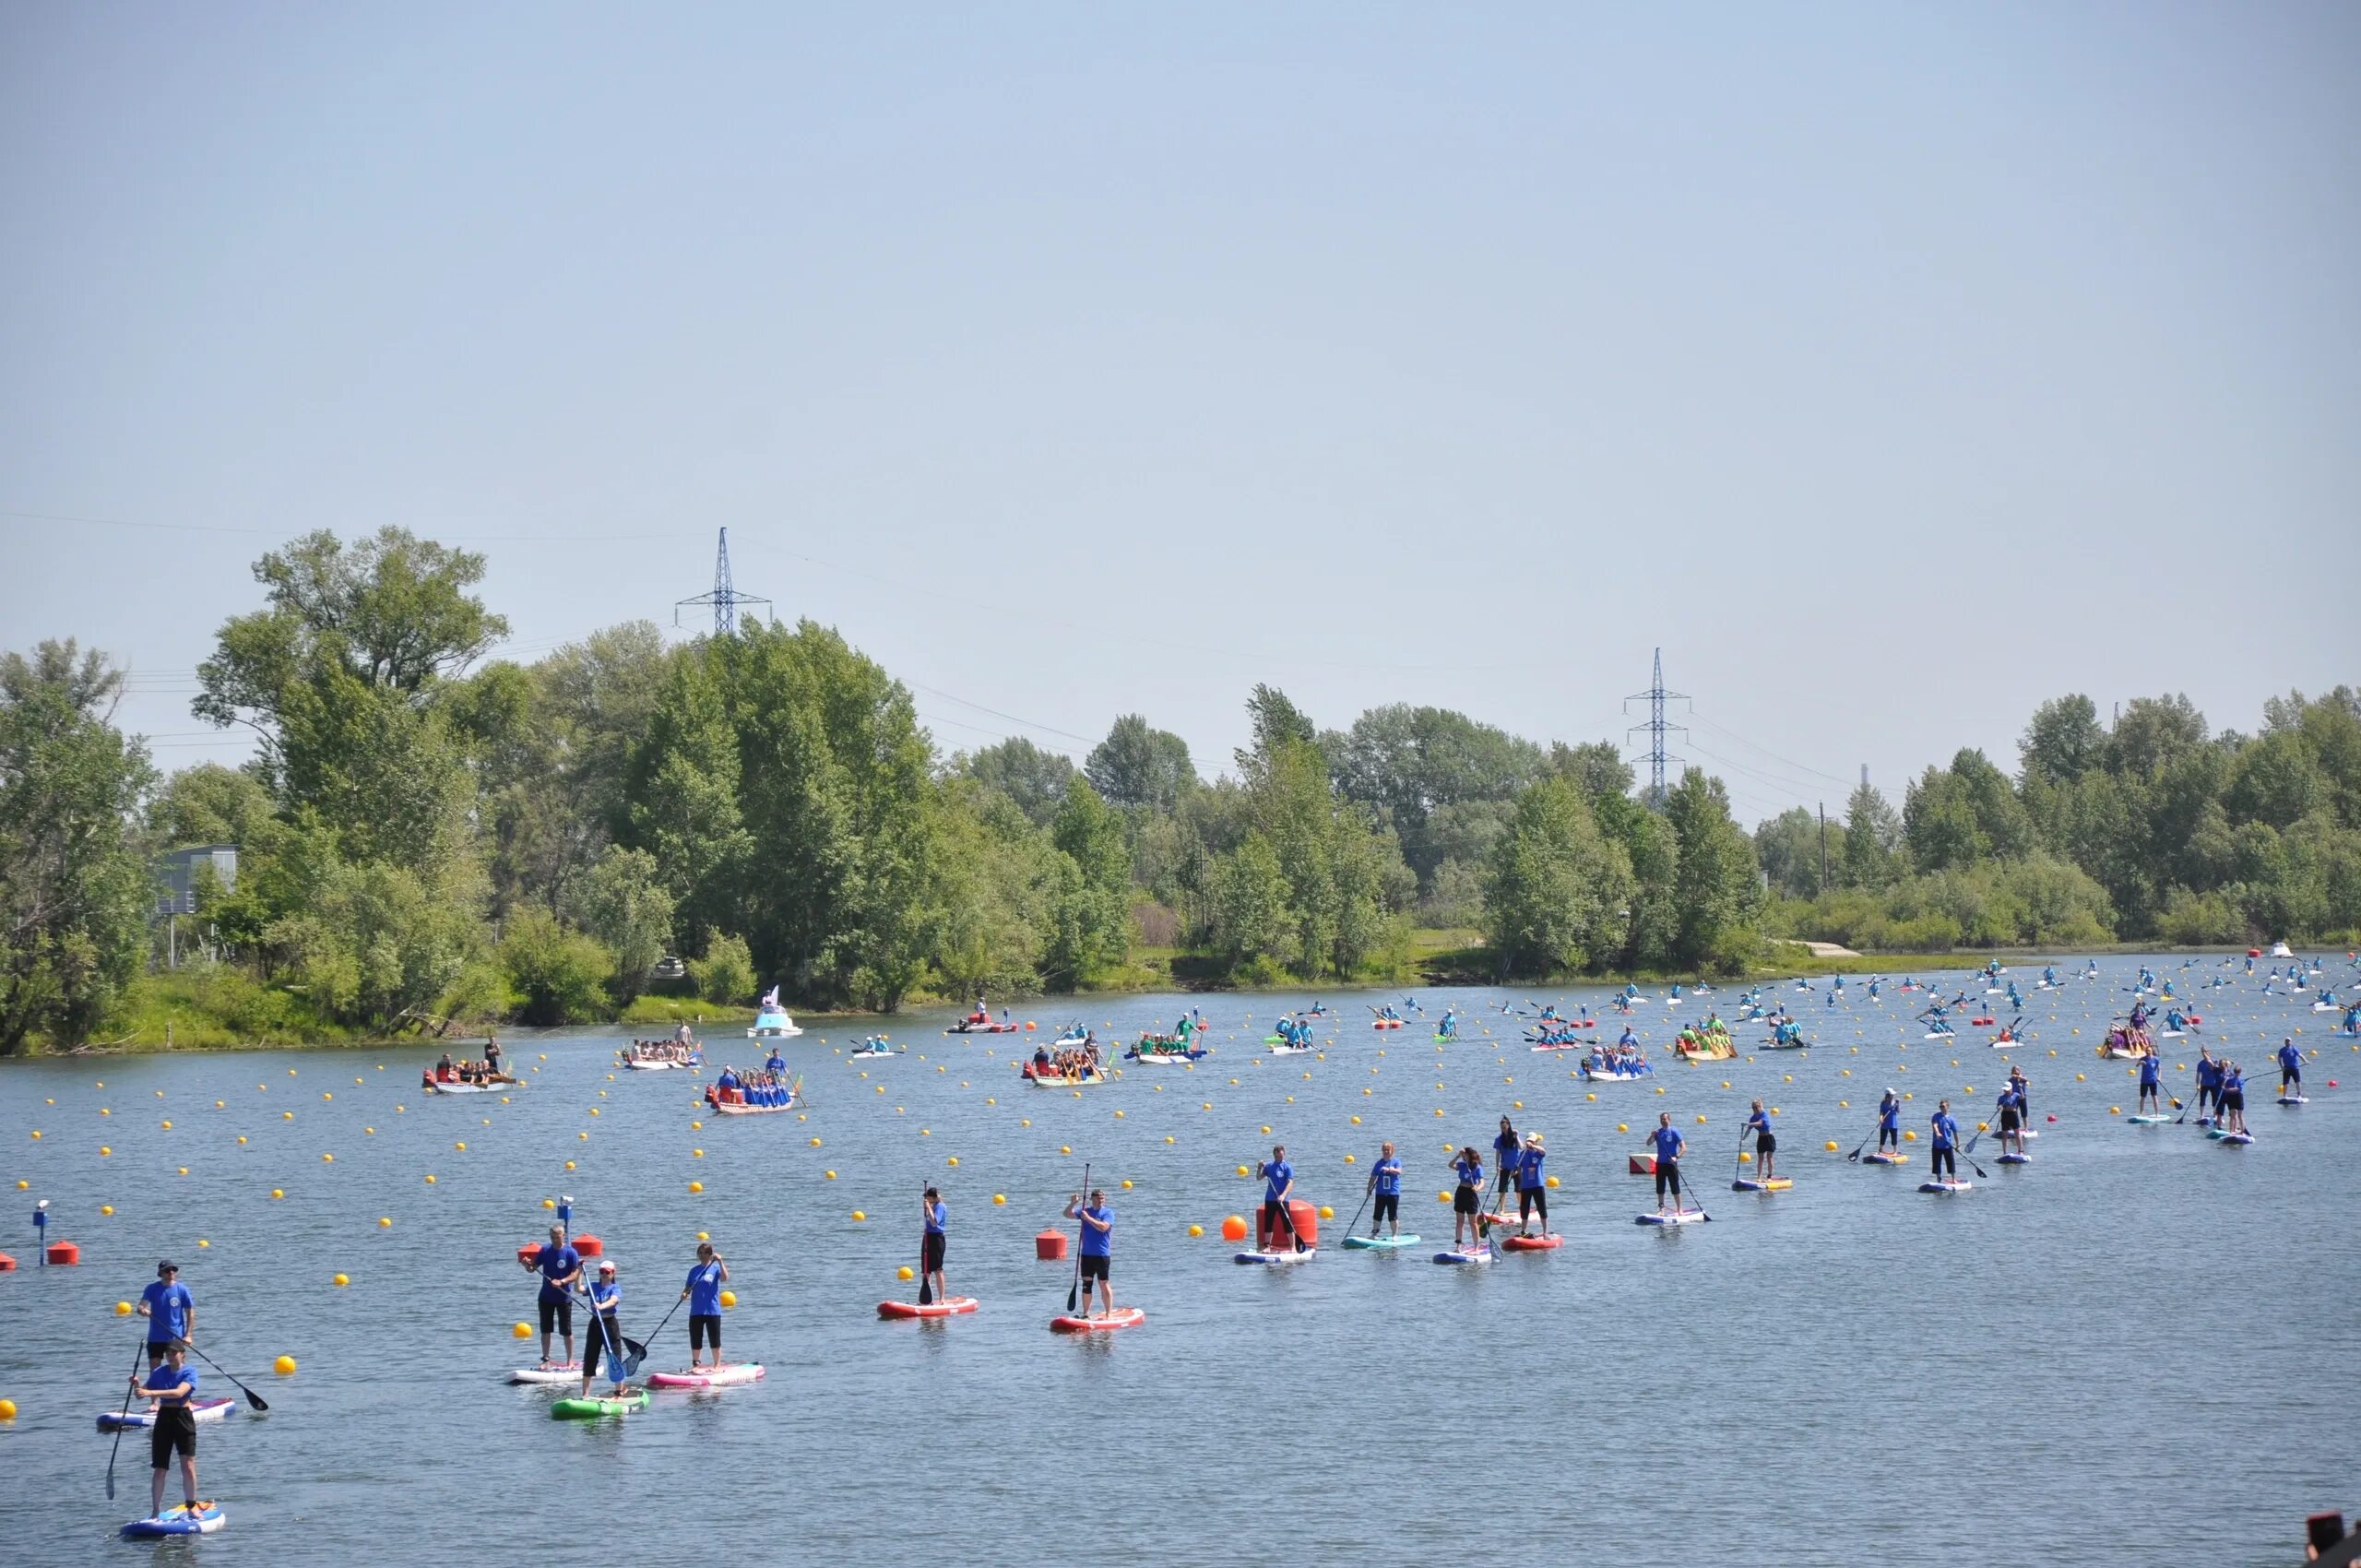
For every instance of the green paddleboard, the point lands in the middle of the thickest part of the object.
(1377, 1244)
(592, 1409)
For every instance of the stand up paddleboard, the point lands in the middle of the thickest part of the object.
(2237, 1137)
(1280, 1256)
(570, 1372)
(2149, 1121)
(1377, 1244)
(709, 1377)
(1122, 1317)
(1686, 1217)
(2013, 1159)
(1946, 1186)
(1533, 1244)
(950, 1307)
(593, 1410)
(182, 1520)
(2295, 1099)
(1748, 1184)
(1886, 1157)
(198, 1410)
(1465, 1256)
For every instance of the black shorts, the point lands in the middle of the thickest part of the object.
(1530, 1198)
(1275, 1218)
(1094, 1267)
(1889, 1135)
(1668, 1176)
(175, 1430)
(1464, 1201)
(2290, 1076)
(1941, 1163)
(936, 1241)
(2008, 1120)
(704, 1328)
(1389, 1206)
(156, 1348)
(603, 1334)
(2235, 1101)
(557, 1316)
(1766, 1143)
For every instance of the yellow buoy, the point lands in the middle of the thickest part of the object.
(284, 1366)
(520, 1330)
(697, 1186)
(1830, 1145)
(343, 1280)
(1196, 1230)
(904, 1273)
(857, 1216)
(8, 1409)
(123, 1309)
(729, 1299)
(383, 1221)
(1000, 1198)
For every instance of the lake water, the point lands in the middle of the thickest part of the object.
(2138, 1348)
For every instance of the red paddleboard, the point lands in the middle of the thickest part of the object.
(951, 1307)
(1532, 1243)
(1122, 1317)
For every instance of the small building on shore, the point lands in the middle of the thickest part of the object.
(180, 872)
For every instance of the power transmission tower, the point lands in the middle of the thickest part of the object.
(1655, 697)
(725, 598)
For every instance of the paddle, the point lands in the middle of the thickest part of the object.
(253, 1399)
(1286, 1214)
(926, 1280)
(1855, 1156)
(668, 1318)
(122, 1419)
(1074, 1291)
(1353, 1223)
(1738, 1166)
(1677, 1197)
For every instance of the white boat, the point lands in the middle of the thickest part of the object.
(435, 1086)
(662, 1064)
(772, 1023)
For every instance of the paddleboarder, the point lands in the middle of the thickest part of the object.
(171, 1312)
(1766, 1143)
(1469, 1165)
(2208, 1084)
(1096, 1252)
(606, 1335)
(1532, 1186)
(2022, 1086)
(1945, 1166)
(1278, 1186)
(2233, 1102)
(1507, 1155)
(170, 1387)
(703, 1292)
(937, 1241)
(2012, 1119)
(2291, 1068)
(1670, 1147)
(560, 1268)
(2152, 1101)
(1386, 1184)
(1890, 1122)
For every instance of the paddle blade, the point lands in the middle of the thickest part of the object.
(926, 1291)
(1074, 1291)
(257, 1400)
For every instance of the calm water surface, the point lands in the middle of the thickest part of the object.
(2138, 1348)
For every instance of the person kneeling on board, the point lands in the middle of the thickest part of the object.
(1096, 1252)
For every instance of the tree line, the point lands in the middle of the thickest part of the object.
(426, 833)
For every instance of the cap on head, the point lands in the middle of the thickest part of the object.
(607, 1266)
(168, 1267)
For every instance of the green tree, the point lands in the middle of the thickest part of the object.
(1556, 891)
(1094, 925)
(1872, 838)
(1035, 779)
(626, 906)
(1714, 890)
(1250, 918)
(725, 975)
(559, 974)
(76, 892)
(2064, 739)
(1140, 768)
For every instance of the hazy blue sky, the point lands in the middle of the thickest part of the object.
(1894, 366)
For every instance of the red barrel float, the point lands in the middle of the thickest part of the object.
(1050, 1246)
(527, 1253)
(588, 1246)
(63, 1254)
(6, 1263)
(1307, 1227)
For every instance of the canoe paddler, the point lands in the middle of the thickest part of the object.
(606, 1335)
(1385, 1183)
(1096, 1252)
(170, 1310)
(1766, 1143)
(703, 1292)
(1670, 1147)
(1467, 1165)
(938, 1240)
(560, 1268)
(169, 1387)
(1532, 1186)
(1278, 1186)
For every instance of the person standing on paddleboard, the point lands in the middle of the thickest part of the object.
(936, 1242)
(2233, 1098)
(1945, 1166)
(2209, 1083)
(703, 1292)
(1278, 1186)
(560, 1268)
(1506, 1155)
(1532, 1187)
(605, 1335)
(1385, 1182)
(1670, 1147)
(1467, 1197)
(1766, 1143)
(170, 1310)
(2023, 1088)
(1890, 1122)
(1096, 1252)
(2291, 1068)
(2151, 1086)
(170, 1386)
(2012, 1121)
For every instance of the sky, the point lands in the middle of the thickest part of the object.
(1894, 368)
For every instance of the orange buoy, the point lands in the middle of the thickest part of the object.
(1050, 1246)
(588, 1246)
(63, 1254)
(1234, 1229)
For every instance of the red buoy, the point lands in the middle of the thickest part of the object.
(1050, 1246)
(1306, 1218)
(588, 1246)
(63, 1254)
(6, 1263)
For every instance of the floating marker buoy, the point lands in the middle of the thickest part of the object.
(8, 1409)
(699, 1187)
(1830, 1145)
(284, 1366)
(1000, 1198)
(729, 1298)
(904, 1273)
(1233, 1228)
(123, 1309)
(1196, 1230)
(520, 1330)
(341, 1280)
(857, 1216)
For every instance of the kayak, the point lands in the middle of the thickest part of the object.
(709, 1377)
(1749, 1184)
(1280, 1255)
(1941, 1034)
(179, 1520)
(1686, 1217)
(1122, 1317)
(1287, 1050)
(1884, 1158)
(873, 1055)
(199, 1410)
(1945, 1186)
(1466, 1255)
(951, 1307)
(1377, 1244)
(592, 1409)
(1532, 1243)
(570, 1372)
(1164, 1058)
(1386, 1024)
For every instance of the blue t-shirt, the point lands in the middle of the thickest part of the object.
(606, 1296)
(1275, 1177)
(728, 1080)
(937, 1217)
(705, 1289)
(1890, 1114)
(2207, 1071)
(1668, 1142)
(2235, 1082)
(1097, 1243)
(1946, 1130)
(162, 1379)
(1760, 1122)
(1528, 1170)
(1389, 1176)
(168, 1308)
(1505, 1146)
(556, 1260)
(2290, 1057)
(1470, 1166)
(2149, 1070)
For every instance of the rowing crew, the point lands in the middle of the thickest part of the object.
(734, 1087)
(678, 1051)
(449, 1072)
(1079, 1063)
